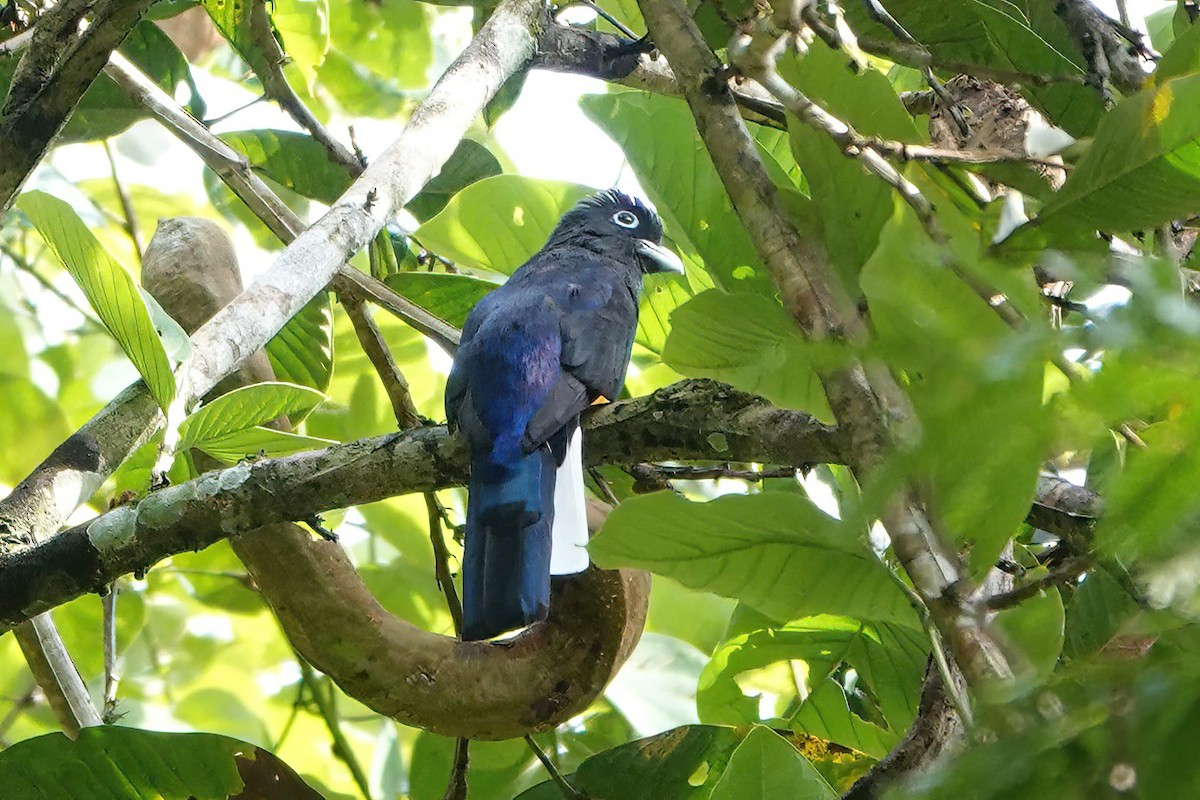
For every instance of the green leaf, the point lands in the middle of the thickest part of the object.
(303, 25)
(765, 766)
(115, 762)
(388, 40)
(971, 378)
(1036, 627)
(294, 160)
(851, 204)
(1143, 169)
(825, 713)
(680, 764)
(232, 19)
(109, 289)
(450, 297)
(470, 162)
(245, 408)
(658, 136)
(890, 658)
(1098, 609)
(302, 351)
(661, 297)
(774, 551)
(1182, 58)
(261, 442)
(499, 222)
(748, 341)
(32, 423)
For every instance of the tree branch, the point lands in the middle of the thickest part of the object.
(864, 406)
(190, 516)
(52, 76)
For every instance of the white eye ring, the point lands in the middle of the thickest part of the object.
(626, 219)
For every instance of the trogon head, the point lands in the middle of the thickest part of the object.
(613, 223)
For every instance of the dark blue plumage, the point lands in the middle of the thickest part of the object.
(535, 353)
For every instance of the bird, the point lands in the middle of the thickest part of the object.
(553, 340)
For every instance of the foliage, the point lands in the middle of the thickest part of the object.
(783, 656)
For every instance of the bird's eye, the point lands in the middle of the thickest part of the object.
(626, 219)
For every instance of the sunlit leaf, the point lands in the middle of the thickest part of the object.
(499, 222)
(302, 351)
(747, 341)
(244, 408)
(1143, 168)
(108, 287)
(765, 766)
(776, 552)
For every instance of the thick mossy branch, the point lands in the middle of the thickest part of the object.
(693, 420)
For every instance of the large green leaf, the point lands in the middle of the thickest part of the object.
(658, 136)
(825, 713)
(302, 351)
(765, 766)
(257, 441)
(303, 25)
(774, 551)
(387, 40)
(997, 34)
(292, 159)
(1182, 58)
(680, 764)
(245, 408)
(108, 287)
(499, 222)
(851, 204)
(450, 297)
(114, 763)
(889, 658)
(470, 162)
(1143, 169)
(748, 341)
(1098, 608)
(1036, 627)
(976, 385)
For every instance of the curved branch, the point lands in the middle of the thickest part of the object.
(675, 422)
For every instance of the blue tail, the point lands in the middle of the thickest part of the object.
(506, 558)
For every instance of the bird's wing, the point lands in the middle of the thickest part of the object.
(596, 327)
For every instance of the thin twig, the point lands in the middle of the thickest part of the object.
(130, 222)
(327, 707)
(1068, 571)
(297, 704)
(270, 72)
(715, 473)
(441, 560)
(112, 678)
(208, 123)
(19, 706)
(394, 383)
(609, 18)
(457, 789)
(881, 15)
(564, 786)
(609, 495)
(20, 263)
(373, 344)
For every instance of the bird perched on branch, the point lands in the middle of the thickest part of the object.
(535, 352)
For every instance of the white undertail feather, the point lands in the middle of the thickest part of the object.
(569, 536)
